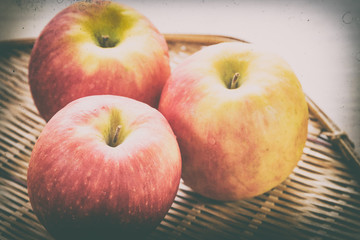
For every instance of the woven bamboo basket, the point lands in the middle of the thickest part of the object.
(319, 200)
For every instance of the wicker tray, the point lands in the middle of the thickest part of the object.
(319, 200)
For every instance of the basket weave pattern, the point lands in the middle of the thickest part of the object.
(319, 200)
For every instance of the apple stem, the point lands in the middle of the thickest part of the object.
(117, 131)
(234, 80)
(104, 41)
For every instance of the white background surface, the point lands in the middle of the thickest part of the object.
(320, 39)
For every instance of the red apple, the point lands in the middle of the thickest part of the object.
(240, 117)
(97, 48)
(104, 167)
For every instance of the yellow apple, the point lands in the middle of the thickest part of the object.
(240, 117)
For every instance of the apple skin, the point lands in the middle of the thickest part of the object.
(70, 60)
(235, 143)
(82, 188)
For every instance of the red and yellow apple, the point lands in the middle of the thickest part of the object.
(104, 167)
(97, 48)
(240, 117)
